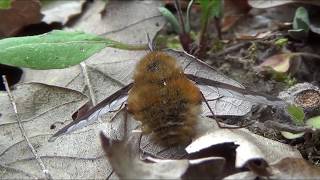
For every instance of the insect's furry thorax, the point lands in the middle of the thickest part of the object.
(164, 100)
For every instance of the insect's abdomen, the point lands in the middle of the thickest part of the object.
(168, 110)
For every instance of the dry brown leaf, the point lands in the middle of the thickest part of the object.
(233, 11)
(287, 168)
(61, 11)
(258, 35)
(278, 62)
(294, 168)
(273, 3)
(40, 108)
(251, 146)
(21, 14)
(124, 158)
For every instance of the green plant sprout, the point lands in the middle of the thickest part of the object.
(210, 9)
(297, 115)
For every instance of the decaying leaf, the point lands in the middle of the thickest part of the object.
(272, 3)
(61, 11)
(20, 14)
(278, 62)
(289, 135)
(294, 168)
(124, 158)
(286, 168)
(42, 108)
(251, 146)
(233, 11)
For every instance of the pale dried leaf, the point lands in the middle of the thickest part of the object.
(294, 168)
(273, 3)
(124, 159)
(40, 107)
(61, 11)
(251, 146)
(278, 62)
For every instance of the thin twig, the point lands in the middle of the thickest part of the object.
(233, 48)
(218, 27)
(88, 83)
(287, 127)
(315, 56)
(22, 130)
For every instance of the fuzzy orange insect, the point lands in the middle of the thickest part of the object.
(164, 100)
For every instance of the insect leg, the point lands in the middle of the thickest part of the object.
(118, 111)
(125, 121)
(118, 108)
(216, 119)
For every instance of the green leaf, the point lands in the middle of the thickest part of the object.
(281, 42)
(209, 9)
(314, 122)
(296, 113)
(54, 50)
(301, 19)
(301, 24)
(213, 8)
(289, 135)
(171, 19)
(5, 4)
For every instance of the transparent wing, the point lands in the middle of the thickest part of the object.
(112, 103)
(225, 99)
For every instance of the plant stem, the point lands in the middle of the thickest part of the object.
(184, 37)
(181, 21)
(203, 38)
(306, 54)
(218, 27)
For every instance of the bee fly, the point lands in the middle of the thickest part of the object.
(165, 100)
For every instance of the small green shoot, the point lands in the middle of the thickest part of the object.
(285, 78)
(209, 9)
(296, 113)
(281, 42)
(314, 122)
(301, 24)
(173, 21)
(187, 26)
(5, 4)
(289, 135)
